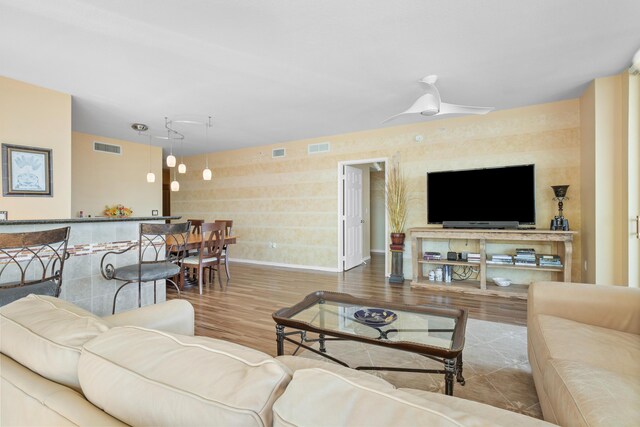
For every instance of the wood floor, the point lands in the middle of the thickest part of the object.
(241, 310)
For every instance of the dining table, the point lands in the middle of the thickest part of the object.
(193, 243)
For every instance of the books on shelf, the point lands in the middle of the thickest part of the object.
(430, 256)
(501, 259)
(472, 257)
(549, 261)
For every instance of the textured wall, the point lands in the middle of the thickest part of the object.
(37, 117)
(101, 179)
(293, 200)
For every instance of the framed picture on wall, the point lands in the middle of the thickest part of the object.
(26, 171)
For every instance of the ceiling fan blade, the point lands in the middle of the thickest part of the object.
(446, 108)
(427, 104)
(409, 111)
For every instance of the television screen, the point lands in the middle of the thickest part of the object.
(496, 194)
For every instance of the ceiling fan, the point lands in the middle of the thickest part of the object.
(429, 104)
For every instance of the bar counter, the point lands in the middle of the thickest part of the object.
(90, 238)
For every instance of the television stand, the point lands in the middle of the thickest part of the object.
(487, 243)
(483, 225)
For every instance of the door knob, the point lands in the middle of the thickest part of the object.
(362, 221)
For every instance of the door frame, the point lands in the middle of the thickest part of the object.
(341, 165)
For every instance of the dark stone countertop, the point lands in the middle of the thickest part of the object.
(85, 220)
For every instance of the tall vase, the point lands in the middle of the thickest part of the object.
(397, 251)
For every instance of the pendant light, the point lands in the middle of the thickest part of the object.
(151, 177)
(141, 127)
(175, 185)
(171, 159)
(206, 173)
(182, 168)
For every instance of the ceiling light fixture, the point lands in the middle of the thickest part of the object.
(206, 173)
(141, 127)
(175, 185)
(151, 177)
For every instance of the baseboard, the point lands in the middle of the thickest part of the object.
(280, 264)
(378, 251)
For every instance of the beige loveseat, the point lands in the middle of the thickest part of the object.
(61, 365)
(584, 351)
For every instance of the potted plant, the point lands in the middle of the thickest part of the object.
(397, 201)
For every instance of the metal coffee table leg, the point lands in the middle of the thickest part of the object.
(459, 377)
(449, 373)
(280, 339)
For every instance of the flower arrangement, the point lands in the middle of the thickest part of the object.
(117, 211)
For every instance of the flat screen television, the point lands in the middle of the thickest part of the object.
(482, 195)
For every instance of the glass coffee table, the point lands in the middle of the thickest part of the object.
(431, 331)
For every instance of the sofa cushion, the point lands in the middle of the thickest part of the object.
(495, 415)
(295, 363)
(592, 396)
(31, 400)
(559, 338)
(178, 379)
(46, 335)
(319, 397)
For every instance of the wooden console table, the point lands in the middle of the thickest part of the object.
(420, 236)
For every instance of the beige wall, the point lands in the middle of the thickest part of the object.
(38, 117)
(588, 181)
(633, 165)
(609, 177)
(101, 179)
(293, 200)
(378, 210)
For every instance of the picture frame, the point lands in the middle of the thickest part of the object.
(26, 171)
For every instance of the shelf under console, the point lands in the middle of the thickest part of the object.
(562, 241)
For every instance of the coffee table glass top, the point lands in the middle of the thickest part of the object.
(377, 323)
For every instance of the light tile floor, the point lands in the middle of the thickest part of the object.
(496, 368)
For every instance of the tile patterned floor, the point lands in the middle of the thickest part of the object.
(496, 368)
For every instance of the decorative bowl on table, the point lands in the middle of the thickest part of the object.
(375, 316)
(501, 281)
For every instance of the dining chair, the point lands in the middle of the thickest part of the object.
(161, 248)
(209, 254)
(196, 225)
(228, 225)
(32, 263)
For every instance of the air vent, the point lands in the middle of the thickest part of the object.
(277, 152)
(321, 147)
(106, 148)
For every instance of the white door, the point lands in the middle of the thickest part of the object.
(352, 217)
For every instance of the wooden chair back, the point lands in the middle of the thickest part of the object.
(196, 225)
(212, 240)
(228, 225)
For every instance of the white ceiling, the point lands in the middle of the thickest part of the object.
(272, 71)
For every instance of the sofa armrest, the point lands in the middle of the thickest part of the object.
(612, 307)
(175, 316)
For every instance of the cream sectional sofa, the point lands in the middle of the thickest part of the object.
(584, 351)
(61, 365)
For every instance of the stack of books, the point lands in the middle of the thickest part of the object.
(526, 257)
(501, 259)
(549, 261)
(430, 256)
(473, 258)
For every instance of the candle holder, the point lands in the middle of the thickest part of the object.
(559, 222)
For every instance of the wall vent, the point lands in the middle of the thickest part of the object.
(278, 152)
(320, 147)
(106, 148)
